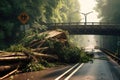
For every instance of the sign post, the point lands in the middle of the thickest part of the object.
(23, 18)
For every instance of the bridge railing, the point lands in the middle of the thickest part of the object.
(81, 23)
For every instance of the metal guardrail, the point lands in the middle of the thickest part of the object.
(109, 53)
(81, 23)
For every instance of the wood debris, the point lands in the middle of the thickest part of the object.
(9, 61)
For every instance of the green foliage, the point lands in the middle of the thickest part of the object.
(33, 66)
(69, 54)
(108, 10)
(16, 48)
(47, 64)
(37, 66)
(73, 14)
(39, 11)
(37, 27)
(31, 35)
(84, 57)
(41, 36)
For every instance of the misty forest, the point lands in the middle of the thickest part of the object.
(30, 46)
(46, 12)
(108, 10)
(40, 11)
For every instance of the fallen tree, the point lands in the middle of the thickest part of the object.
(10, 62)
(38, 49)
(9, 67)
(10, 73)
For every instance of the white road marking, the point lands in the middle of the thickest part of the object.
(66, 72)
(67, 78)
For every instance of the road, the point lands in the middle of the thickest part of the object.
(101, 68)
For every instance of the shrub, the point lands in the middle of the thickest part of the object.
(85, 57)
(69, 54)
(36, 66)
(33, 66)
(47, 64)
(16, 48)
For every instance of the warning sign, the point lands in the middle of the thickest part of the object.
(23, 17)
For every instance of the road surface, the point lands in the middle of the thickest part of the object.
(101, 68)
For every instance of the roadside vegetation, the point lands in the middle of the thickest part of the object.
(35, 48)
(40, 48)
(40, 12)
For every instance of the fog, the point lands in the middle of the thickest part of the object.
(84, 40)
(90, 41)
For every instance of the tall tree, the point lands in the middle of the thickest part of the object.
(108, 10)
(39, 11)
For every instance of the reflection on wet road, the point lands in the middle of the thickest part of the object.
(101, 69)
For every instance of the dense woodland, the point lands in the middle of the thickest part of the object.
(34, 48)
(45, 11)
(108, 10)
(39, 49)
(40, 11)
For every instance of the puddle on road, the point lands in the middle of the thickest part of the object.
(101, 58)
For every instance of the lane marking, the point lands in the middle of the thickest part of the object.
(67, 78)
(66, 72)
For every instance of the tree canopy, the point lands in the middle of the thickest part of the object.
(108, 10)
(39, 11)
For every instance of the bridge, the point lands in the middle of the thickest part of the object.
(96, 28)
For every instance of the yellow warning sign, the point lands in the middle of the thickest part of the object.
(23, 17)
